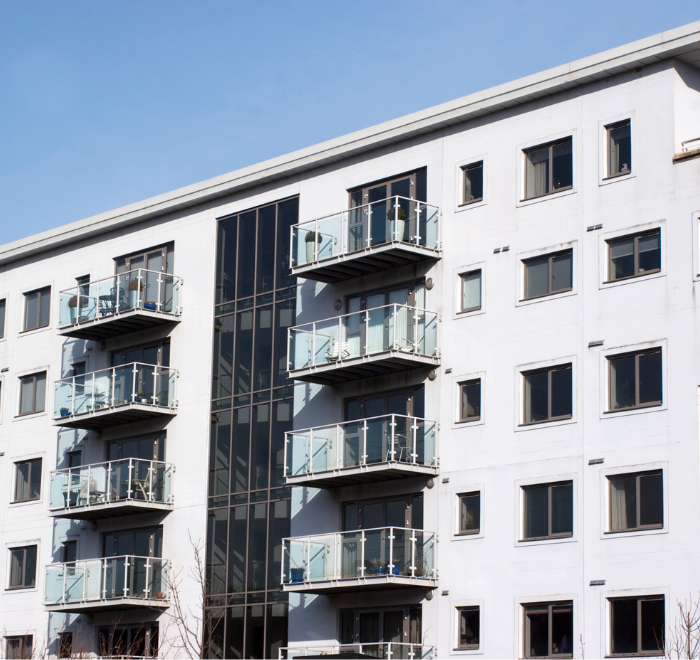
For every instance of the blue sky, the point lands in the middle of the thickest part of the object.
(106, 103)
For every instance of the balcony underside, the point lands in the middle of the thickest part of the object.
(105, 417)
(377, 364)
(360, 584)
(103, 510)
(108, 605)
(365, 262)
(115, 325)
(364, 474)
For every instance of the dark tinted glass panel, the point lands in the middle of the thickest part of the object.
(257, 547)
(235, 629)
(622, 390)
(350, 517)
(244, 352)
(562, 166)
(537, 172)
(216, 550)
(255, 632)
(222, 379)
(469, 512)
(262, 363)
(214, 636)
(620, 146)
(561, 272)
(281, 423)
(284, 318)
(650, 385)
(260, 447)
(422, 186)
(623, 502)
(219, 453)
(276, 630)
(246, 254)
(536, 396)
(651, 499)
(240, 449)
(279, 529)
(562, 629)
(649, 252)
(473, 183)
(537, 633)
(238, 541)
(561, 392)
(226, 260)
(287, 215)
(536, 512)
(537, 277)
(347, 627)
(621, 255)
(471, 401)
(653, 624)
(562, 509)
(624, 625)
(31, 311)
(469, 627)
(30, 568)
(265, 273)
(3, 305)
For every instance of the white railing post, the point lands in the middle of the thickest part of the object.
(116, 294)
(336, 560)
(368, 240)
(396, 218)
(154, 396)
(129, 479)
(317, 235)
(63, 590)
(414, 443)
(151, 493)
(366, 349)
(113, 385)
(72, 405)
(147, 590)
(390, 563)
(139, 279)
(418, 212)
(363, 457)
(104, 579)
(313, 344)
(413, 553)
(89, 484)
(133, 382)
(416, 341)
(344, 229)
(392, 426)
(310, 454)
(108, 483)
(290, 364)
(126, 576)
(340, 338)
(158, 299)
(338, 454)
(395, 343)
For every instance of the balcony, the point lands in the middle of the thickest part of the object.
(110, 583)
(120, 304)
(364, 344)
(361, 560)
(361, 451)
(114, 488)
(389, 650)
(367, 239)
(118, 395)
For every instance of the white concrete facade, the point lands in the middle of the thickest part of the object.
(656, 85)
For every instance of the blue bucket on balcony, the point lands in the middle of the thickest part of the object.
(150, 305)
(396, 568)
(65, 412)
(297, 575)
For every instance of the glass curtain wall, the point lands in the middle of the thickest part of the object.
(252, 407)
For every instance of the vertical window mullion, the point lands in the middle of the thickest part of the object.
(549, 630)
(639, 625)
(550, 178)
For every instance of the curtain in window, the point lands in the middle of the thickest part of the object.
(16, 566)
(618, 505)
(22, 485)
(537, 173)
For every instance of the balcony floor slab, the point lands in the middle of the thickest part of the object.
(114, 416)
(110, 510)
(108, 605)
(364, 474)
(115, 325)
(360, 584)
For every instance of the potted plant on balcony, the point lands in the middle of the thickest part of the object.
(377, 567)
(72, 308)
(310, 238)
(135, 287)
(64, 412)
(139, 396)
(396, 215)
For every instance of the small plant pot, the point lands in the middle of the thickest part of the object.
(159, 595)
(297, 575)
(310, 252)
(65, 412)
(73, 313)
(400, 228)
(150, 305)
(137, 399)
(133, 299)
(380, 570)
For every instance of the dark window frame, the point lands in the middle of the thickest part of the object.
(636, 236)
(23, 585)
(42, 293)
(550, 146)
(65, 644)
(462, 309)
(640, 600)
(550, 535)
(479, 164)
(25, 641)
(550, 257)
(608, 145)
(33, 376)
(3, 316)
(28, 461)
(550, 605)
(467, 532)
(637, 405)
(549, 371)
(468, 647)
(638, 502)
(466, 418)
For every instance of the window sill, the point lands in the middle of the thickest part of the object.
(545, 425)
(607, 180)
(27, 501)
(619, 175)
(550, 296)
(548, 421)
(608, 284)
(543, 198)
(475, 204)
(656, 271)
(23, 589)
(24, 333)
(18, 418)
(637, 532)
(521, 543)
(633, 409)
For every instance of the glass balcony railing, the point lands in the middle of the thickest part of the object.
(397, 220)
(394, 552)
(388, 439)
(392, 328)
(389, 650)
(113, 482)
(126, 292)
(138, 383)
(101, 580)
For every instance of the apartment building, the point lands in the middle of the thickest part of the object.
(425, 390)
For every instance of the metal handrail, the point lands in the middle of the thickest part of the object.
(413, 651)
(364, 311)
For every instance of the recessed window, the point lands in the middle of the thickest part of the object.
(470, 401)
(636, 501)
(22, 567)
(547, 394)
(37, 306)
(473, 183)
(470, 513)
(28, 480)
(471, 291)
(3, 306)
(19, 646)
(634, 256)
(32, 393)
(548, 168)
(468, 627)
(65, 644)
(548, 511)
(549, 630)
(619, 148)
(637, 625)
(549, 274)
(635, 380)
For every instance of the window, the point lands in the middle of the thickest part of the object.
(548, 511)
(547, 394)
(548, 168)
(552, 273)
(139, 641)
(37, 306)
(3, 306)
(22, 567)
(634, 256)
(619, 148)
(468, 628)
(635, 380)
(32, 393)
(69, 552)
(636, 501)
(549, 630)
(28, 480)
(470, 401)
(470, 513)
(65, 644)
(473, 183)
(19, 646)
(637, 625)
(471, 291)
